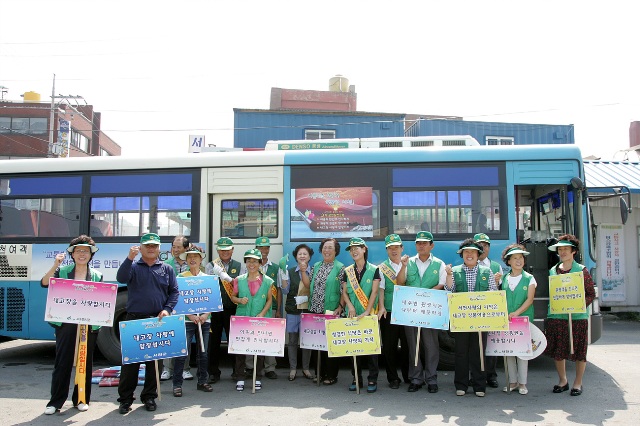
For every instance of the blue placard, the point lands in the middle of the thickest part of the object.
(420, 307)
(198, 294)
(148, 339)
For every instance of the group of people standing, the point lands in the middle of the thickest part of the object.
(258, 288)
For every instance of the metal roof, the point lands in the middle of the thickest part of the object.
(612, 173)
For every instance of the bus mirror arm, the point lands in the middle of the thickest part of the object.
(621, 192)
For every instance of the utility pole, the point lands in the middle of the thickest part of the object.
(52, 117)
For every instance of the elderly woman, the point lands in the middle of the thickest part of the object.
(324, 288)
(193, 257)
(291, 279)
(81, 249)
(557, 328)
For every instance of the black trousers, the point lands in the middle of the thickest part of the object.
(467, 361)
(63, 366)
(390, 335)
(219, 321)
(372, 365)
(129, 377)
(328, 366)
(490, 363)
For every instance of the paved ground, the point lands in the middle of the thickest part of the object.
(611, 395)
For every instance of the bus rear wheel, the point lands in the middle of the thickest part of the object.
(447, 350)
(109, 337)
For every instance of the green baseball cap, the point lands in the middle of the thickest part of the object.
(356, 242)
(150, 239)
(253, 254)
(224, 243)
(263, 242)
(392, 240)
(424, 236)
(482, 238)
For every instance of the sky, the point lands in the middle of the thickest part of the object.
(159, 71)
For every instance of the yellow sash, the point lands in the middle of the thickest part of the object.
(350, 271)
(81, 365)
(389, 273)
(228, 286)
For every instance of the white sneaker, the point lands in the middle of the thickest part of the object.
(258, 385)
(480, 394)
(460, 392)
(186, 375)
(82, 406)
(50, 410)
(165, 375)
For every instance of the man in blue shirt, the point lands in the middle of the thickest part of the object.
(152, 292)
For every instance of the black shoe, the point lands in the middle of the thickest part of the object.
(560, 389)
(395, 384)
(150, 405)
(213, 378)
(414, 387)
(271, 375)
(432, 388)
(125, 407)
(492, 383)
(575, 391)
(407, 381)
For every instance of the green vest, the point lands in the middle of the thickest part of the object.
(495, 266)
(366, 283)
(388, 287)
(331, 288)
(460, 279)
(272, 272)
(519, 295)
(256, 303)
(234, 271)
(429, 279)
(64, 273)
(575, 267)
(290, 305)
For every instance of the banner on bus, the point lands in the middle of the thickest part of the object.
(150, 339)
(257, 336)
(514, 342)
(198, 294)
(420, 307)
(351, 336)
(80, 302)
(478, 311)
(566, 293)
(313, 331)
(331, 212)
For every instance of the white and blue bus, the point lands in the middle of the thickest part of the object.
(529, 194)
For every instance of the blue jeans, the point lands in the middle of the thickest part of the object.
(201, 357)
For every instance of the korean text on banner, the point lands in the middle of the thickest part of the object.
(351, 336)
(420, 307)
(566, 293)
(81, 302)
(149, 339)
(478, 311)
(257, 336)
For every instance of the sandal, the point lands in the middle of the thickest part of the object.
(308, 375)
(206, 387)
(372, 387)
(292, 375)
(177, 392)
(330, 381)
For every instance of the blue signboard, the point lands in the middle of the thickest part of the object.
(149, 339)
(198, 294)
(420, 307)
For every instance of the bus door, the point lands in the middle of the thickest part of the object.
(245, 203)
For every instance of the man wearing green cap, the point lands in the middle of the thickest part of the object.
(461, 278)
(222, 320)
(270, 269)
(394, 272)
(152, 292)
(424, 270)
(483, 260)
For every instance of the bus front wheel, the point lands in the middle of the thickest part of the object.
(109, 337)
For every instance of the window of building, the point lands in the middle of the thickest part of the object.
(23, 125)
(104, 153)
(319, 134)
(79, 140)
(250, 218)
(500, 140)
